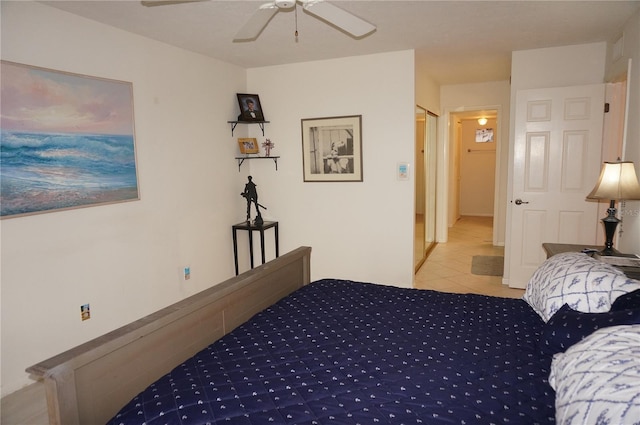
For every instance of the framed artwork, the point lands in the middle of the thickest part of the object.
(248, 145)
(484, 135)
(67, 141)
(250, 108)
(332, 149)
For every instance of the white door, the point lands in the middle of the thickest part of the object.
(557, 158)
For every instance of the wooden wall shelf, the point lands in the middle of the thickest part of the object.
(235, 123)
(241, 159)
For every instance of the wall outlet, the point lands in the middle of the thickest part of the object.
(187, 273)
(85, 312)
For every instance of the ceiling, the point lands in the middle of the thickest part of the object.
(455, 41)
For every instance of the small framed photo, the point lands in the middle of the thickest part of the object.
(248, 145)
(250, 108)
(332, 149)
(484, 135)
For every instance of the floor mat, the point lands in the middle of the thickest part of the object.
(487, 265)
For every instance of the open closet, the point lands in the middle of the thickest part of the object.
(425, 187)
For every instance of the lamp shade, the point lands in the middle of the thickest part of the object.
(618, 181)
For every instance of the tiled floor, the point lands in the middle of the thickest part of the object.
(448, 267)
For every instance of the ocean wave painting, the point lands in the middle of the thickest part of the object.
(66, 141)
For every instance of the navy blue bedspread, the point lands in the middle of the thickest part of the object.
(342, 352)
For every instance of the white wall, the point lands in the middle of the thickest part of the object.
(558, 66)
(427, 91)
(477, 170)
(630, 213)
(124, 259)
(469, 97)
(361, 231)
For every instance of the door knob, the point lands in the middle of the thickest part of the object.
(520, 202)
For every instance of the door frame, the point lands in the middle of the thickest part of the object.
(445, 180)
(429, 147)
(420, 190)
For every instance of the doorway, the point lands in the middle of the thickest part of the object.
(425, 185)
(473, 155)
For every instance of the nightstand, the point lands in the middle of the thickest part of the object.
(557, 248)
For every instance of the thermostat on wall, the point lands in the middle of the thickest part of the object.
(403, 171)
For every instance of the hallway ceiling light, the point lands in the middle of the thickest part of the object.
(482, 121)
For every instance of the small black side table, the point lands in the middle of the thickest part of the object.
(251, 227)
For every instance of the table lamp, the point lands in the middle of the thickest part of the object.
(617, 182)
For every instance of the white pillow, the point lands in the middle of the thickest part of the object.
(598, 379)
(574, 278)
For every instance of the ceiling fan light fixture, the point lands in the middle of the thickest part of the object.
(285, 4)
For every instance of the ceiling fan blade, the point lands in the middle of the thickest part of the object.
(151, 3)
(254, 26)
(340, 18)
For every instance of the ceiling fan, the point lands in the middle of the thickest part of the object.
(151, 3)
(321, 9)
(324, 10)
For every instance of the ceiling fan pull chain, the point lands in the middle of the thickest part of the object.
(296, 14)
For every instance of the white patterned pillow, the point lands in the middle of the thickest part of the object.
(573, 278)
(598, 379)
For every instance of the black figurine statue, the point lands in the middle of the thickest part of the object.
(251, 195)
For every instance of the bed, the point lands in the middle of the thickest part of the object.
(269, 346)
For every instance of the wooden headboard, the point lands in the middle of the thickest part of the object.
(90, 383)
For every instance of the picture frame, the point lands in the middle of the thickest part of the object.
(332, 149)
(250, 108)
(484, 135)
(248, 145)
(49, 165)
